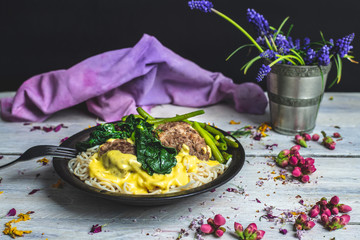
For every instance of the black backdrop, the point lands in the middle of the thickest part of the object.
(43, 35)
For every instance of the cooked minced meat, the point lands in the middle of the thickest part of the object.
(175, 134)
(118, 144)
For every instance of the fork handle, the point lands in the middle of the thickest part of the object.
(9, 163)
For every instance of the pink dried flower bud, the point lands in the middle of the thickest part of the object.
(344, 208)
(309, 169)
(334, 210)
(219, 220)
(335, 200)
(336, 135)
(305, 178)
(259, 234)
(309, 161)
(329, 143)
(331, 146)
(298, 226)
(325, 210)
(238, 227)
(301, 161)
(336, 219)
(325, 219)
(306, 136)
(301, 141)
(210, 221)
(308, 225)
(315, 137)
(207, 228)
(322, 202)
(295, 149)
(301, 219)
(314, 211)
(219, 232)
(344, 219)
(282, 162)
(293, 161)
(296, 172)
(284, 153)
(252, 228)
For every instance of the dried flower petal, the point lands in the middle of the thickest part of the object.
(33, 191)
(64, 139)
(12, 212)
(96, 228)
(232, 122)
(44, 161)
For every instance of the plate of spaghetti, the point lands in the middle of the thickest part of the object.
(142, 160)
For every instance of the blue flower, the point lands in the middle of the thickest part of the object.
(342, 45)
(310, 56)
(263, 71)
(323, 56)
(260, 23)
(202, 5)
(306, 43)
(269, 54)
(282, 44)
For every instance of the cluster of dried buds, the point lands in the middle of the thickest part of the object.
(301, 167)
(303, 223)
(327, 141)
(250, 233)
(214, 226)
(327, 209)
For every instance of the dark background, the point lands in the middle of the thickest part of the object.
(37, 36)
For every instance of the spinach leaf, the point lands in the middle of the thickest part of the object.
(153, 156)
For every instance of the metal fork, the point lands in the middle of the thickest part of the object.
(44, 150)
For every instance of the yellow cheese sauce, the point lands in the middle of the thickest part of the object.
(120, 168)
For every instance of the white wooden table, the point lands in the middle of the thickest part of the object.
(67, 213)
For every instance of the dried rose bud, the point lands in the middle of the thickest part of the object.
(295, 149)
(334, 210)
(207, 228)
(344, 219)
(301, 160)
(219, 220)
(308, 225)
(282, 162)
(309, 161)
(308, 170)
(301, 219)
(296, 172)
(335, 200)
(336, 135)
(298, 226)
(315, 137)
(314, 211)
(322, 202)
(238, 229)
(252, 228)
(301, 141)
(293, 161)
(219, 232)
(305, 178)
(284, 153)
(344, 208)
(306, 136)
(325, 219)
(259, 234)
(325, 210)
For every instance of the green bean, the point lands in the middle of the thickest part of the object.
(143, 113)
(213, 130)
(226, 155)
(231, 143)
(176, 118)
(215, 151)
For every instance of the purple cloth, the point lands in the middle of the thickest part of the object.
(114, 83)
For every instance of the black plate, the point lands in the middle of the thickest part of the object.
(61, 167)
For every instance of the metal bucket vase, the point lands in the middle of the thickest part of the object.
(295, 93)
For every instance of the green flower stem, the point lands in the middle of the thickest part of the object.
(250, 63)
(239, 27)
(269, 44)
(238, 49)
(300, 59)
(280, 27)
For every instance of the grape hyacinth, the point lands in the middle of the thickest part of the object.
(310, 56)
(260, 23)
(202, 5)
(342, 45)
(306, 43)
(323, 56)
(282, 44)
(264, 70)
(269, 54)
